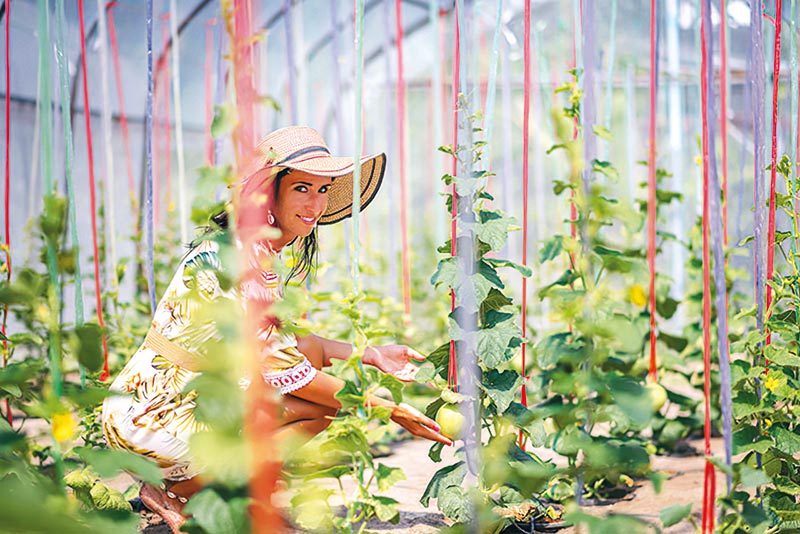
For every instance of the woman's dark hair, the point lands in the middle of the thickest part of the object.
(306, 253)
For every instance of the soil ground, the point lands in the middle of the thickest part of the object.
(684, 485)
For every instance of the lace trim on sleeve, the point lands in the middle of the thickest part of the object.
(291, 379)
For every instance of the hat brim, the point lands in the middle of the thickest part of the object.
(340, 194)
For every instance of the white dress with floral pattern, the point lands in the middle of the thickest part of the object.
(155, 415)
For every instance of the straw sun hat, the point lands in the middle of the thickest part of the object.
(302, 148)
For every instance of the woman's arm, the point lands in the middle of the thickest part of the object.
(320, 351)
(323, 388)
(396, 360)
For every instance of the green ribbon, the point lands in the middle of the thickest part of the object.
(358, 145)
(46, 155)
(63, 75)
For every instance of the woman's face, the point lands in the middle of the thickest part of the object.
(302, 199)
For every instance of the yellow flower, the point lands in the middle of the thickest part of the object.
(771, 383)
(291, 261)
(64, 426)
(637, 295)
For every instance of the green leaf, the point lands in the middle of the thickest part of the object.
(602, 132)
(780, 355)
(667, 307)
(494, 232)
(674, 514)
(105, 498)
(495, 300)
(386, 509)
(446, 272)
(435, 452)
(425, 373)
(753, 478)
(451, 475)
(88, 346)
(108, 463)
(493, 342)
(350, 396)
(676, 343)
(606, 168)
(521, 269)
(216, 516)
(388, 476)
(502, 387)
(19, 373)
(454, 502)
(786, 441)
(551, 248)
(564, 280)
(224, 120)
(394, 386)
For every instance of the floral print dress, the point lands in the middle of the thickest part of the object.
(154, 415)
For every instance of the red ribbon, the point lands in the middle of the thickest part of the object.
(723, 116)
(7, 203)
(87, 115)
(123, 119)
(401, 143)
(526, 106)
(771, 224)
(709, 481)
(651, 192)
(452, 371)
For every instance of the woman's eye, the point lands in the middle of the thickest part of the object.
(301, 188)
(324, 189)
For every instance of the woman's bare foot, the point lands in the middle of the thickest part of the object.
(170, 509)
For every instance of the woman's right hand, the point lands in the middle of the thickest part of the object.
(417, 423)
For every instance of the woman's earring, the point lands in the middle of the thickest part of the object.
(270, 218)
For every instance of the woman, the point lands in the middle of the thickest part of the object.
(155, 418)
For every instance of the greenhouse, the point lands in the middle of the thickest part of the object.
(479, 266)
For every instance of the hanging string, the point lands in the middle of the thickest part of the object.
(290, 62)
(651, 192)
(359, 138)
(793, 73)
(723, 103)
(209, 91)
(758, 77)
(123, 118)
(166, 118)
(612, 52)
(491, 85)
(92, 192)
(63, 74)
(7, 196)
(176, 88)
(108, 149)
(526, 112)
(708, 479)
(776, 76)
(438, 100)
(46, 133)
(401, 143)
(452, 370)
(148, 186)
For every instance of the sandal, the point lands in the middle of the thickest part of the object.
(165, 504)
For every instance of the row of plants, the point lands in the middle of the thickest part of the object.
(588, 397)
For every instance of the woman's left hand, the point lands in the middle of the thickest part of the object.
(396, 360)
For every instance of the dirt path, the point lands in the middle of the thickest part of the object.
(684, 485)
